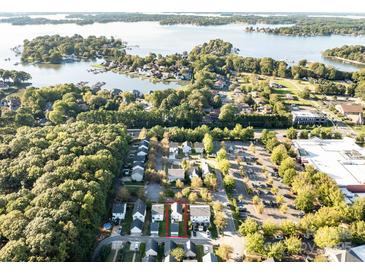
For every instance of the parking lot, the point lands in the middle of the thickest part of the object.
(261, 182)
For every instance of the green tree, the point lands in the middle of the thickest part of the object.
(293, 245)
(278, 154)
(178, 253)
(249, 226)
(327, 237)
(255, 243)
(224, 252)
(208, 143)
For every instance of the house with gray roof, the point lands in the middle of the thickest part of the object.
(149, 259)
(151, 247)
(139, 210)
(170, 259)
(169, 246)
(142, 151)
(137, 227)
(210, 257)
(157, 212)
(137, 174)
(154, 228)
(190, 249)
(118, 211)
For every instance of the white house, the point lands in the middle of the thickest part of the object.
(173, 150)
(205, 169)
(157, 212)
(176, 212)
(176, 173)
(200, 214)
(136, 228)
(151, 247)
(186, 147)
(118, 212)
(154, 229)
(139, 210)
(142, 151)
(137, 174)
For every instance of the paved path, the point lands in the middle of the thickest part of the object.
(221, 196)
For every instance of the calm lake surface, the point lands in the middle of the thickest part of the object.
(152, 37)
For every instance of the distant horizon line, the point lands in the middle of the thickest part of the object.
(206, 12)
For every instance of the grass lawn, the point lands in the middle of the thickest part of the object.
(199, 253)
(127, 222)
(147, 221)
(110, 256)
(162, 229)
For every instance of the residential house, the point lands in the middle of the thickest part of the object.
(118, 211)
(176, 212)
(142, 151)
(173, 150)
(193, 172)
(151, 248)
(137, 174)
(205, 169)
(154, 228)
(170, 259)
(139, 158)
(199, 147)
(352, 111)
(144, 143)
(174, 229)
(175, 174)
(157, 212)
(355, 254)
(3, 85)
(169, 246)
(137, 226)
(149, 259)
(190, 249)
(139, 210)
(200, 214)
(210, 257)
(186, 147)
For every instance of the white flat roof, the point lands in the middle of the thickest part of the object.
(342, 160)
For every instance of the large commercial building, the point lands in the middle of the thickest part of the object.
(343, 160)
(308, 117)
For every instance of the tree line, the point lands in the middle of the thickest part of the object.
(54, 187)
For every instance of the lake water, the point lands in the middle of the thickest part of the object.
(152, 37)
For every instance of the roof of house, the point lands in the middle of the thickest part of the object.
(169, 258)
(154, 227)
(138, 171)
(139, 158)
(200, 210)
(187, 143)
(205, 168)
(138, 165)
(137, 223)
(118, 207)
(173, 145)
(174, 228)
(198, 145)
(142, 149)
(176, 172)
(149, 259)
(169, 245)
(190, 246)
(139, 206)
(157, 209)
(359, 252)
(343, 255)
(152, 244)
(210, 257)
(176, 207)
(144, 142)
(353, 108)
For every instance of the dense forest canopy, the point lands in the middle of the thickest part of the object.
(54, 184)
(54, 49)
(349, 52)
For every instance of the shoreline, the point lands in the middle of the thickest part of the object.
(344, 60)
